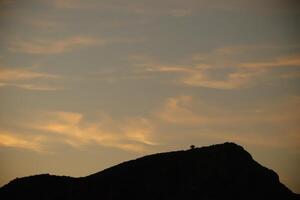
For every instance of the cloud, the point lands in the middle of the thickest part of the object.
(226, 68)
(186, 110)
(169, 68)
(130, 134)
(42, 46)
(34, 143)
(286, 61)
(71, 4)
(277, 122)
(178, 110)
(71, 128)
(19, 78)
(274, 125)
(234, 80)
(200, 76)
(22, 74)
(31, 86)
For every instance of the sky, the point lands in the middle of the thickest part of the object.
(87, 84)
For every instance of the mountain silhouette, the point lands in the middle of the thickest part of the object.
(222, 171)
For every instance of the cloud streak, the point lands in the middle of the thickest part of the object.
(34, 143)
(139, 134)
(286, 61)
(21, 78)
(280, 120)
(178, 110)
(33, 87)
(43, 46)
(23, 74)
(224, 68)
(130, 134)
(199, 76)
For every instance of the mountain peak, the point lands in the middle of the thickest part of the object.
(221, 171)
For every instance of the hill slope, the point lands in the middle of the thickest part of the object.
(223, 171)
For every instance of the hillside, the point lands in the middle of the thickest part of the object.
(223, 171)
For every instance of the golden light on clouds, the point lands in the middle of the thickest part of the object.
(19, 78)
(121, 79)
(179, 110)
(130, 134)
(41, 46)
(287, 61)
(22, 74)
(8, 139)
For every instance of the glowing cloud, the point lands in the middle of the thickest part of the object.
(22, 74)
(178, 110)
(234, 80)
(291, 61)
(130, 134)
(16, 78)
(17, 141)
(229, 62)
(198, 76)
(33, 87)
(42, 46)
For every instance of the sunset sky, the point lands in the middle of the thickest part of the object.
(87, 84)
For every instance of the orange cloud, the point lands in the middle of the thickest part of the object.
(71, 4)
(197, 76)
(30, 86)
(237, 72)
(40, 46)
(22, 74)
(235, 80)
(15, 78)
(184, 110)
(8, 139)
(131, 134)
(178, 110)
(292, 61)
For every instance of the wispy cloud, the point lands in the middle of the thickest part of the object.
(279, 121)
(43, 46)
(21, 77)
(34, 143)
(22, 74)
(69, 44)
(73, 129)
(186, 110)
(71, 4)
(178, 110)
(234, 80)
(37, 87)
(286, 61)
(199, 76)
(224, 68)
(140, 134)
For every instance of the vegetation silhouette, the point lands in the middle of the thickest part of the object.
(222, 171)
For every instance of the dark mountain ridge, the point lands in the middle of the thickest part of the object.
(223, 171)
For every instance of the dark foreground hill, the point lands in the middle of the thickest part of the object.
(223, 171)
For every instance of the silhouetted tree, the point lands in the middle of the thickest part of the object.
(192, 146)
